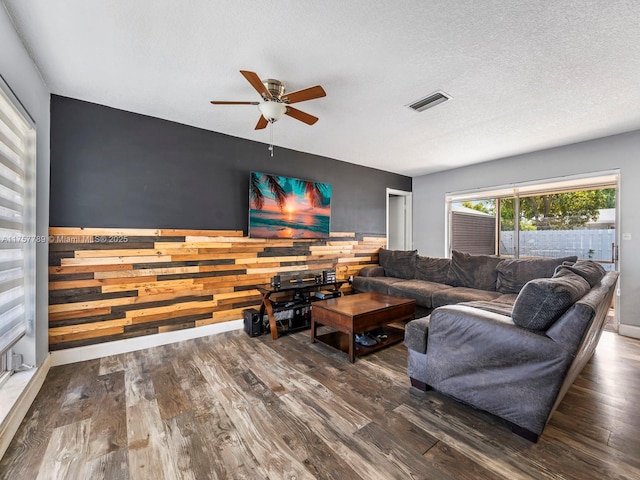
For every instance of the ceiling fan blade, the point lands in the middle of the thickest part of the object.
(262, 123)
(256, 83)
(218, 102)
(300, 115)
(304, 95)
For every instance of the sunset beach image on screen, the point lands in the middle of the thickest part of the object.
(285, 207)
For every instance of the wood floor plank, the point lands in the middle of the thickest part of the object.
(149, 453)
(452, 460)
(108, 420)
(187, 447)
(589, 429)
(114, 465)
(66, 452)
(112, 364)
(171, 399)
(414, 438)
(78, 402)
(394, 449)
(138, 385)
(226, 454)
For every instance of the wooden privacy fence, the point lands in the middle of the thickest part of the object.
(110, 284)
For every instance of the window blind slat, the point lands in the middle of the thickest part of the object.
(10, 124)
(9, 160)
(12, 144)
(13, 334)
(13, 132)
(10, 205)
(9, 185)
(11, 303)
(10, 225)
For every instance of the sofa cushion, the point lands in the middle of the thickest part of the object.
(494, 306)
(513, 273)
(591, 271)
(371, 271)
(433, 269)
(474, 271)
(398, 263)
(420, 290)
(543, 300)
(507, 298)
(374, 284)
(449, 296)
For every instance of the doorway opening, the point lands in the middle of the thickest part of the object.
(399, 220)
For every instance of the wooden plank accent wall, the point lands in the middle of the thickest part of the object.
(109, 284)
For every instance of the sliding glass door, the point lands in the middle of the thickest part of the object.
(566, 217)
(551, 219)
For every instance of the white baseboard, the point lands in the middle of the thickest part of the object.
(90, 352)
(18, 393)
(629, 330)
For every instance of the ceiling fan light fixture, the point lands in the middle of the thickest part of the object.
(272, 111)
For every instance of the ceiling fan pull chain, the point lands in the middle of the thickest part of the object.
(271, 140)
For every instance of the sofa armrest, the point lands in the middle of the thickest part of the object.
(485, 360)
(481, 338)
(416, 333)
(372, 271)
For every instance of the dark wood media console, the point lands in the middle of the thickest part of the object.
(292, 295)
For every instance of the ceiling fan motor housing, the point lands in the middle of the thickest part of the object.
(275, 87)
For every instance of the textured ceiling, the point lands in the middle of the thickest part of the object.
(523, 75)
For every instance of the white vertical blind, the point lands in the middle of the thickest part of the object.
(15, 244)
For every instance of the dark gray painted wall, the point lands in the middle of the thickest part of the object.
(112, 168)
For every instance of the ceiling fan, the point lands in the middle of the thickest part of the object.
(276, 102)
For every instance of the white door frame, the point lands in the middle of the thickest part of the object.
(408, 209)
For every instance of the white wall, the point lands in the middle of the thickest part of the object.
(22, 76)
(618, 151)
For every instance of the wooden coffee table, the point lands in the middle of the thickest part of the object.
(359, 313)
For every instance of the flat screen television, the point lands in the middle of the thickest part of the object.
(286, 207)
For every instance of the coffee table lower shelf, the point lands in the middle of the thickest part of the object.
(340, 341)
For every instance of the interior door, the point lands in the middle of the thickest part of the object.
(399, 220)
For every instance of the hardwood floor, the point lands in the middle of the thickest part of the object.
(233, 407)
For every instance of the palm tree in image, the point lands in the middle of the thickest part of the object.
(314, 191)
(257, 195)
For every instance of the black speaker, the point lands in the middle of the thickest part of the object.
(252, 322)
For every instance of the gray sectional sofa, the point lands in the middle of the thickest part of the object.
(506, 336)
(435, 282)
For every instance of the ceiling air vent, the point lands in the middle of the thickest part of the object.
(429, 101)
